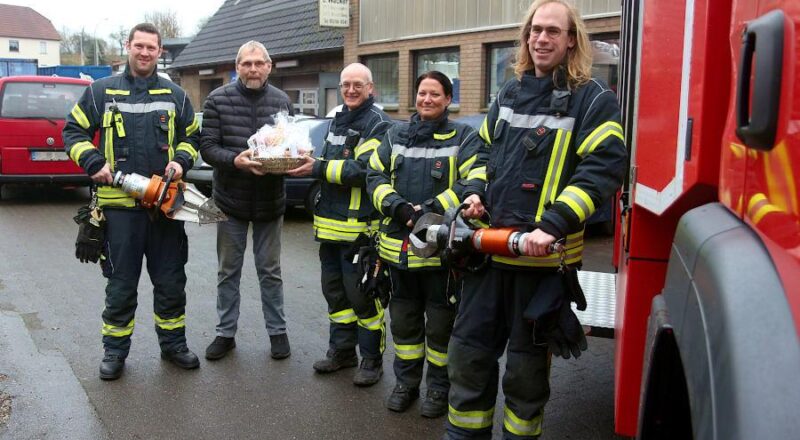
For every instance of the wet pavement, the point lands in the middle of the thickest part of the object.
(50, 349)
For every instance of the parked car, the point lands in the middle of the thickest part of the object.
(300, 191)
(602, 221)
(32, 114)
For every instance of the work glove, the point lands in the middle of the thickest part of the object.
(550, 311)
(564, 333)
(91, 235)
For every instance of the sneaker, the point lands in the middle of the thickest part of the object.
(336, 360)
(369, 372)
(434, 405)
(220, 347)
(401, 398)
(182, 357)
(279, 346)
(112, 366)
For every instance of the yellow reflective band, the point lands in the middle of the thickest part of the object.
(171, 132)
(333, 173)
(477, 173)
(452, 168)
(463, 170)
(80, 117)
(194, 126)
(367, 147)
(355, 199)
(410, 352)
(436, 357)
(471, 419)
(484, 131)
(338, 230)
(372, 323)
(346, 316)
(109, 147)
(119, 125)
(108, 196)
(117, 332)
(375, 162)
(107, 116)
(415, 262)
(380, 193)
(554, 169)
(187, 147)
(170, 323)
(160, 91)
(448, 198)
(598, 135)
(578, 201)
(118, 92)
(78, 149)
(444, 136)
(574, 252)
(521, 427)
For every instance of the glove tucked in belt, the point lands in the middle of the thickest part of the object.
(91, 234)
(551, 312)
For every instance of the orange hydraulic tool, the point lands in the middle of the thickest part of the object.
(176, 199)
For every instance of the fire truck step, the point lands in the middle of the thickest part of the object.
(600, 291)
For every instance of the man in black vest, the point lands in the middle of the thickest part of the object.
(247, 195)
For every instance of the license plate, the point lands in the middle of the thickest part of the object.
(48, 156)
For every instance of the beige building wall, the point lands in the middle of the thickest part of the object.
(32, 49)
(474, 54)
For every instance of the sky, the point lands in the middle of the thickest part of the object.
(105, 17)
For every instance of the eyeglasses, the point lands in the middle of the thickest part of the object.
(550, 31)
(256, 64)
(357, 86)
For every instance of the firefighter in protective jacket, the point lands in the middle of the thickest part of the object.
(341, 214)
(557, 153)
(426, 165)
(147, 126)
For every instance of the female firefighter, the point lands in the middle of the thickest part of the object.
(428, 164)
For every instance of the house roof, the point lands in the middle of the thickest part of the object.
(285, 27)
(24, 22)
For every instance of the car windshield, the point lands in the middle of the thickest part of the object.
(39, 100)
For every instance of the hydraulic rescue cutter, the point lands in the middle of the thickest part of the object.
(176, 199)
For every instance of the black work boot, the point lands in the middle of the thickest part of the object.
(279, 346)
(401, 398)
(220, 347)
(434, 405)
(111, 367)
(369, 372)
(182, 357)
(336, 360)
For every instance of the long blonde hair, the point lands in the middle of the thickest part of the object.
(578, 65)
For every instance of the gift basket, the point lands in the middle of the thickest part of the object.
(280, 147)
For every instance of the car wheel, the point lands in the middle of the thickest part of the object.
(311, 198)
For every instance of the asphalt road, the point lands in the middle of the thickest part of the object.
(50, 349)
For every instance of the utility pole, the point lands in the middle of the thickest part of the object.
(83, 62)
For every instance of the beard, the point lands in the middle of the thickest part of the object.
(253, 83)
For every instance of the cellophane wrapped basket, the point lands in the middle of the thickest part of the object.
(280, 147)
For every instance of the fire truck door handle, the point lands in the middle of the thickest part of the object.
(756, 124)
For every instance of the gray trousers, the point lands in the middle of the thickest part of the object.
(231, 245)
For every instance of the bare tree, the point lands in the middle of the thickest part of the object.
(119, 37)
(165, 21)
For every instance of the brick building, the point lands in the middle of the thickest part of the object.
(474, 46)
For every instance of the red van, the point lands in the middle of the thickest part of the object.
(32, 112)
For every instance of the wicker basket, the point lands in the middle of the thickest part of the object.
(279, 165)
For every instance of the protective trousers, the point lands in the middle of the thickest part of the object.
(419, 295)
(489, 315)
(355, 318)
(131, 235)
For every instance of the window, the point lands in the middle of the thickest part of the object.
(384, 77)
(606, 60)
(13, 45)
(501, 68)
(43, 47)
(443, 60)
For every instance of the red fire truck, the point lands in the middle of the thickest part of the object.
(707, 315)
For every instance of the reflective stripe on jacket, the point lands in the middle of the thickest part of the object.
(144, 123)
(344, 209)
(552, 167)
